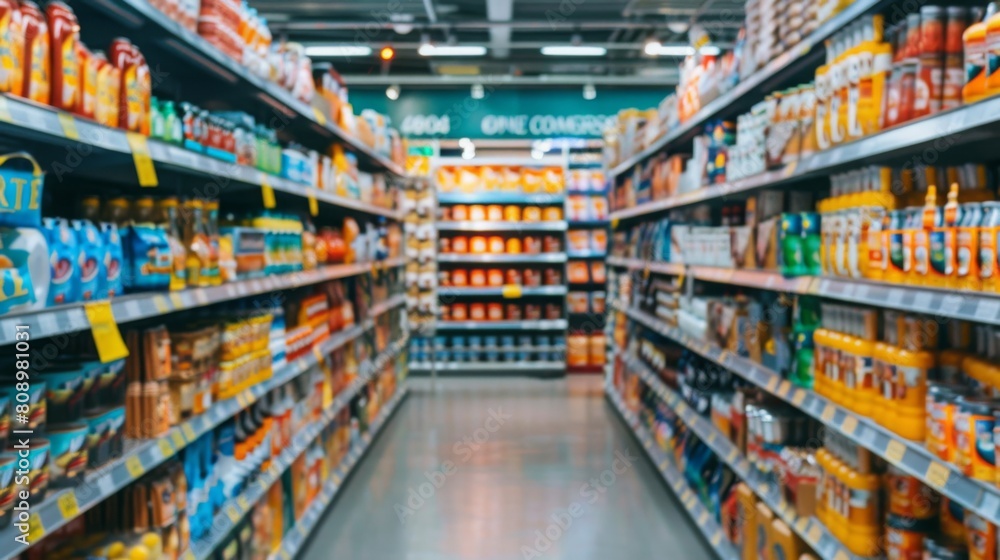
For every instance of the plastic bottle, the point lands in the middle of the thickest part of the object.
(11, 48)
(167, 219)
(196, 243)
(210, 227)
(108, 89)
(864, 521)
(989, 230)
(36, 53)
(911, 228)
(64, 38)
(992, 19)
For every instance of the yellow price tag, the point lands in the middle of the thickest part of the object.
(815, 533)
(320, 117)
(69, 126)
(801, 525)
(189, 433)
(703, 518)
(937, 475)
(313, 203)
(68, 506)
(841, 555)
(188, 555)
(511, 291)
(35, 528)
(104, 328)
(772, 384)
(716, 538)
(134, 467)
(733, 452)
(850, 424)
(5, 115)
(828, 413)
(233, 514)
(783, 388)
(166, 449)
(243, 503)
(894, 451)
(799, 397)
(241, 400)
(267, 194)
(161, 303)
(144, 168)
(176, 300)
(336, 480)
(178, 438)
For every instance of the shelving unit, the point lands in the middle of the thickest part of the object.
(553, 258)
(501, 226)
(706, 523)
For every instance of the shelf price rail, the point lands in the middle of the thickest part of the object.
(142, 456)
(910, 457)
(72, 317)
(979, 307)
(705, 521)
(233, 511)
(810, 529)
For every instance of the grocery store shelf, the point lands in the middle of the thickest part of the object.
(207, 70)
(589, 223)
(514, 367)
(810, 529)
(234, 510)
(586, 255)
(199, 174)
(501, 226)
(552, 325)
(505, 349)
(908, 456)
(500, 198)
(502, 161)
(498, 258)
(782, 67)
(387, 305)
(704, 520)
(980, 307)
(70, 318)
(294, 540)
(500, 291)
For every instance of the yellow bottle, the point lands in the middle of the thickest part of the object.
(821, 345)
(912, 368)
(864, 519)
(864, 385)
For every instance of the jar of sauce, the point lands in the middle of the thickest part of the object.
(494, 311)
(459, 278)
(532, 278)
(478, 245)
(494, 277)
(459, 312)
(513, 312)
(512, 213)
(553, 277)
(532, 245)
(460, 244)
(553, 311)
(477, 312)
(460, 213)
(514, 246)
(494, 213)
(552, 244)
(513, 276)
(496, 245)
(532, 312)
(477, 278)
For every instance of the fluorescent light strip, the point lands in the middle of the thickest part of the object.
(338, 50)
(656, 49)
(573, 50)
(451, 50)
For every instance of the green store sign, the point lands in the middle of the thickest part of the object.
(501, 113)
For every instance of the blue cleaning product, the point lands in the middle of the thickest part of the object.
(91, 258)
(113, 258)
(24, 275)
(64, 268)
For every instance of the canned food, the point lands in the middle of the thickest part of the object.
(980, 537)
(532, 244)
(513, 276)
(444, 278)
(514, 246)
(477, 213)
(904, 538)
(494, 213)
(551, 244)
(459, 312)
(459, 277)
(445, 310)
(909, 498)
(460, 212)
(478, 245)
(941, 410)
(952, 520)
(553, 311)
(512, 213)
(553, 277)
(974, 446)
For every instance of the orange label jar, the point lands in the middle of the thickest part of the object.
(477, 278)
(532, 214)
(64, 36)
(513, 276)
(459, 312)
(514, 246)
(904, 538)
(497, 245)
(460, 213)
(460, 244)
(494, 277)
(553, 311)
(477, 213)
(908, 497)
(513, 312)
(494, 213)
(980, 537)
(532, 244)
(494, 311)
(36, 53)
(477, 312)
(974, 445)
(459, 278)
(477, 245)
(532, 277)
(532, 312)
(552, 214)
(512, 213)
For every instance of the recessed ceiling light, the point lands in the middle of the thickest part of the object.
(392, 92)
(573, 50)
(451, 50)
(338, 50)
(654, 48)
(589, 92)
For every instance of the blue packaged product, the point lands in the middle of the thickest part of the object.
(491, 342)
(475, 347)
(24, 269)
(113, 259)
(93, 283)
(148, 258)
(64, 267)
(20, 191)
(524, 341)
(507, 341)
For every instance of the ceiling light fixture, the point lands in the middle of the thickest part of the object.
(387, 53)
(652, 46)
(478, 92)
(573, 50)
(451, 50)
(589, 92)
(392, 92)
(337, 50)
(710, 50)
(656, 49)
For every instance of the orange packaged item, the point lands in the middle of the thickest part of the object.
(554, 181)
(531, 180)
(513, 276)
(579, 240)
(459, 312)
(459, 278)
(532, 244)
(598, 273)
(494, 277)
(599, 241)
(511, 179)
(468, 179)
(108, 87)
(599, 208)
(122, 57)
(36, 81)
(11, 57)
(460, 244)
(494, 311)
(460, 213)
(64, 36)
(531, 214)
(512, 213)
(981, 537)
(578, 208)
(532, 278)
(598, 349)
(552, 214)
(477, 245)
(477, 312)
(446, 179)
(477, 213)
(514, 246)
(553, 311)
(494, 213)
(89, 69)
(577, 350)
(553, 277)
(532, 312)
(551, 244)
(490, 178)
(496, 245)
(513, 312)
(578, 302)
(477, 278)
(578, 272)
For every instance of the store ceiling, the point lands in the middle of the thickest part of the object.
(513, 33)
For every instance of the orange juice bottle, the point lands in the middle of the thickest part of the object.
(823, 95)
(820, 337)
(976, 69)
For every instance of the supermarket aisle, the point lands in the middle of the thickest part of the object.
(546, 460)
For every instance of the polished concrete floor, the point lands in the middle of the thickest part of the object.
(504, 469)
